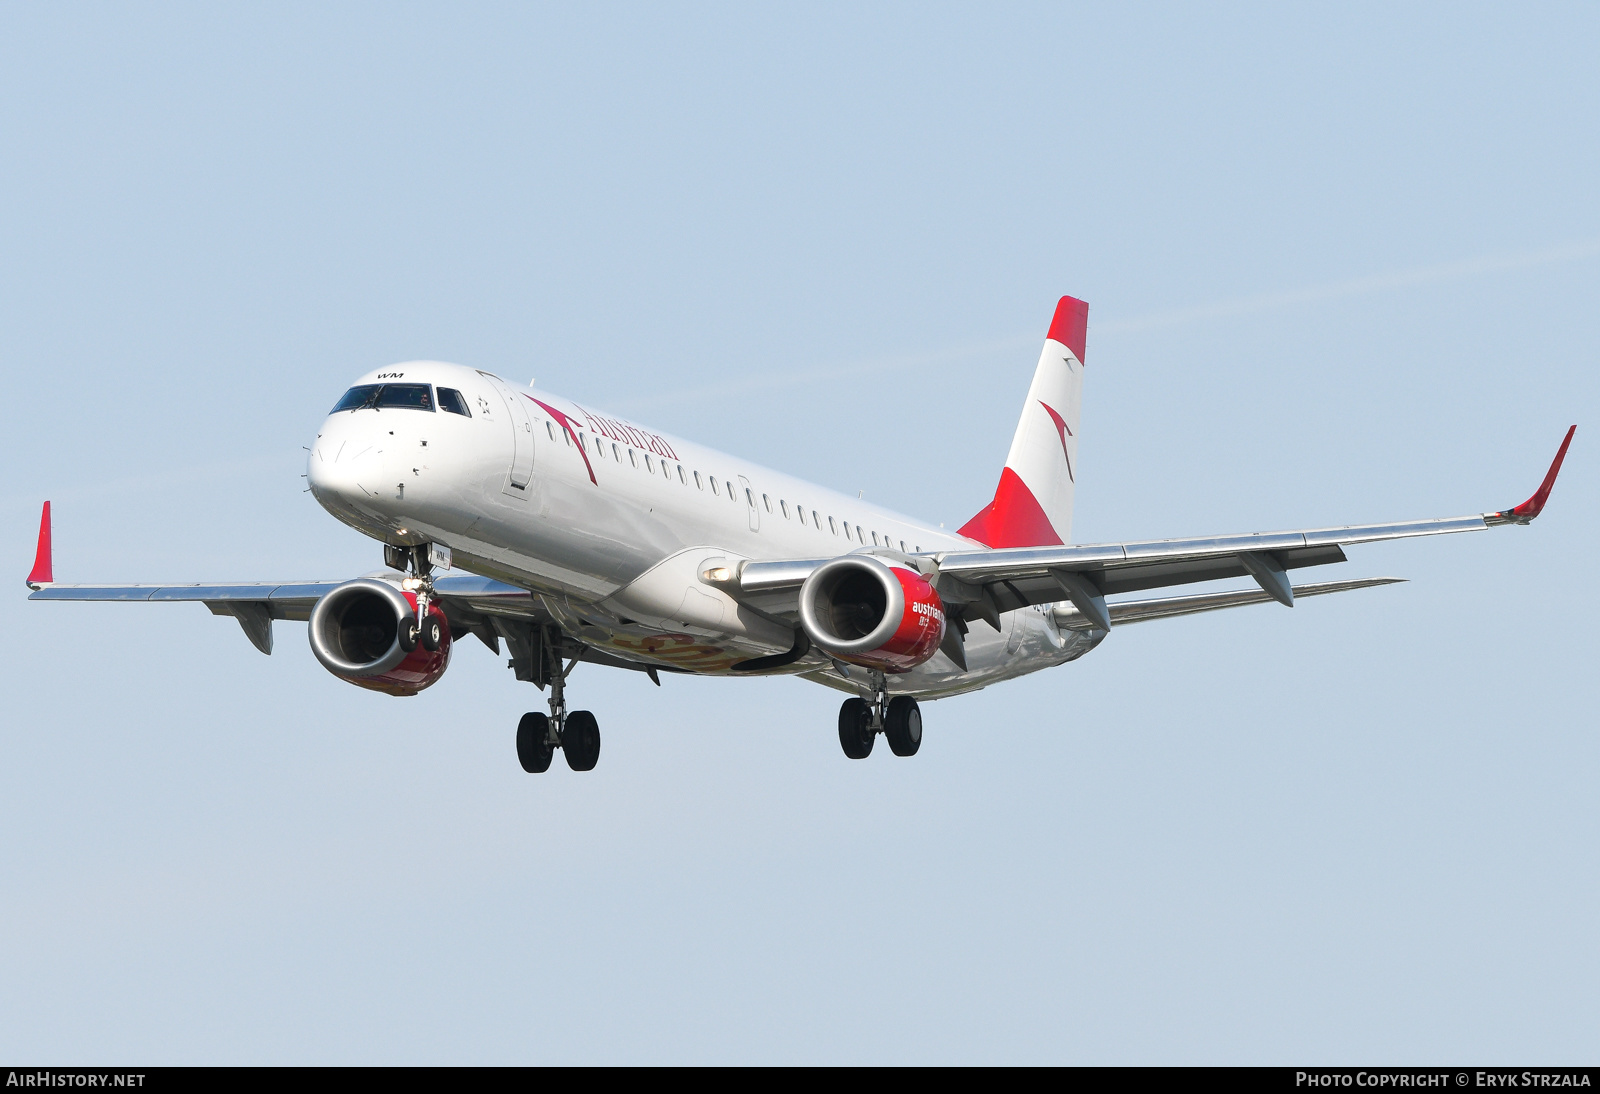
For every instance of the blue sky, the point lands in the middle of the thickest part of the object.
(1343, 265)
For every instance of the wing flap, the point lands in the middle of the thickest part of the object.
(1138, 611)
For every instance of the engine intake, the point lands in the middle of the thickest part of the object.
(355, 633)
(862, 610)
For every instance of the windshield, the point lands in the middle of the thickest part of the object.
(408, 396)
(356, 398)
(400, 396)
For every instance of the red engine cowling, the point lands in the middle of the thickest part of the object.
(355, 633)
(862, 610)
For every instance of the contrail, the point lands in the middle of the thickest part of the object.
(1245, 305)
(826, 373)
(1394, 279)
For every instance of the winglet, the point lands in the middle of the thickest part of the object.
(1531, 508)
(43, 567)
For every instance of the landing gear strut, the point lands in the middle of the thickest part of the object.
(424, 628)
(577, 734)
(899, 719)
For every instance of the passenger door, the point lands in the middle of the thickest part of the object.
(516, 404)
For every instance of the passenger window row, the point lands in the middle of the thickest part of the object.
(669, 470)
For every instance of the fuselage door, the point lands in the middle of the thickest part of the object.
(750, 504)
(516, 405)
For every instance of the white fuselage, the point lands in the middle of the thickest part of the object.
(612, 525)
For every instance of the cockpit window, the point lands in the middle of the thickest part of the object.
(357, 397)
(406, 396)
(450, 399)
(398, 396)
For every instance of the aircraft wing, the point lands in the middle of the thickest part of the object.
(469, 601)
(985, 583)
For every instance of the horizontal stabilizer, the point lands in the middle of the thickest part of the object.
(1137, 611)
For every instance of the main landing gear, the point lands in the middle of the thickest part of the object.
(898, 719)
(577, 734)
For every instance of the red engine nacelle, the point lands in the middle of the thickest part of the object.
(355, 633)
(862, 610)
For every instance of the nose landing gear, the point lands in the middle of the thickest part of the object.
(899, 719)
(423, 628)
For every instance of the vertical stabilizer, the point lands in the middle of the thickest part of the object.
(1032, 506)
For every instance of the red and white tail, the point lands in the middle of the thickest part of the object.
(1032, 506)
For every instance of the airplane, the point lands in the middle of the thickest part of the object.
(573, 536)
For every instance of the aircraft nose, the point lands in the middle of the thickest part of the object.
(345, 467)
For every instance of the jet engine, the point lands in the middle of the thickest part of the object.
(366, 632)
(862, 610)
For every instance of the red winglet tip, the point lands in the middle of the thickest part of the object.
(43, 568)
(1070, 325)
(1535, 505)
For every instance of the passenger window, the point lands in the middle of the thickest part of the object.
(902, 546)
(785, 507)
(847, 530)
(566, 437)
(450, 400)
(616, 453)
(729, 485)
(749, 498)
(875, 539)
(684, 479)
(649, 464)
(767, 502)
(406, 397)
(599, 448)
(861, 539)
(633, 457)
(698, 484)
(817, 524)
(714, 486)
(550, 428)
(356, 398)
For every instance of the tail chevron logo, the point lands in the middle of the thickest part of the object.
(1063, 431)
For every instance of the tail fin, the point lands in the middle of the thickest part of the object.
(1032, 506)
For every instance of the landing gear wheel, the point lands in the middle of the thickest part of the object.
(408, 633)
(580, 740)
(855, 729)
(902, 724)
(432, 634)
(533, 743)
